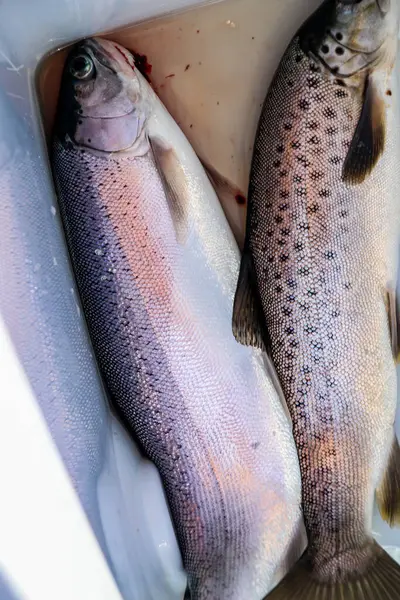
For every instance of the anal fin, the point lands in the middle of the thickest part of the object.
(388, 493)
(248, 323)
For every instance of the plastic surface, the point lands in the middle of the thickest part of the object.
(120, 492)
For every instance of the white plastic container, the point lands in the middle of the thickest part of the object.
(46, 360)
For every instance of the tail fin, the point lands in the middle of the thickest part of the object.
(380, 581)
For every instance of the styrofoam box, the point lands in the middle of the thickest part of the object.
(82, 515)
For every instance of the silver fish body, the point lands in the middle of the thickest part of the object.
(321, 260)
(157, 282)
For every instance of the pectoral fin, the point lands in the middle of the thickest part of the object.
(388, 493)
(369, 138)
(248, 323)
(394, 322)
(175, 185)
(233, 202)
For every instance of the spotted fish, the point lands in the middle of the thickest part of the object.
(156, 266)
(317, 285)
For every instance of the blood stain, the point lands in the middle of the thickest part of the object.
(240, 199)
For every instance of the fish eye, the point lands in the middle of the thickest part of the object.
(81, 67)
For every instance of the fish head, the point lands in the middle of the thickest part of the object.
(101, 104)
(350, 37)
(366, 25)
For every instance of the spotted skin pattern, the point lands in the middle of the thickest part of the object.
(324, 253)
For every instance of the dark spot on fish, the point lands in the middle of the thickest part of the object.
(279, 289)
(303, 226)
(335, 314)
(325, 49)
(187, 67)
(281, 243)
(278, 219)
(314, 68)
(283, 173)
(294, 343)
(287, 311)
(312, 125)
(198, 31)
(343, 214)
(79, 122)
(340, 82)
(143, 65)
(277, 276)
(270, 258)
(331, 130)
(218, 105)
(284, 194)
(283, 207)
(297, 178)
(89, 140)
(289, 330)
(298, 246)
(310, 329)
(290, 83)
(303, 160)
(304, 104)
(330, 254)
(288, 126)
(312, 292)
(191, 126)
(314, 140)
(339, 36)
(340, 94)
(317, 345)
(329, 113)
(255, 445)
(324, 193)
(301, 192)
(347, 285)
(315, 175)
(334, 160)
(304, 271)
(290, 355)
(298, 58)
(388, 92)
(240, 199)
(339, 50)
(284, 257)
(314, 208)
(313, 82)
(280, 148)
(276, 164)
(285, 231)
(270, 233)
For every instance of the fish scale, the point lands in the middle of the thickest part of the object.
(321, 256)
(157, 281)
(314, 291)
